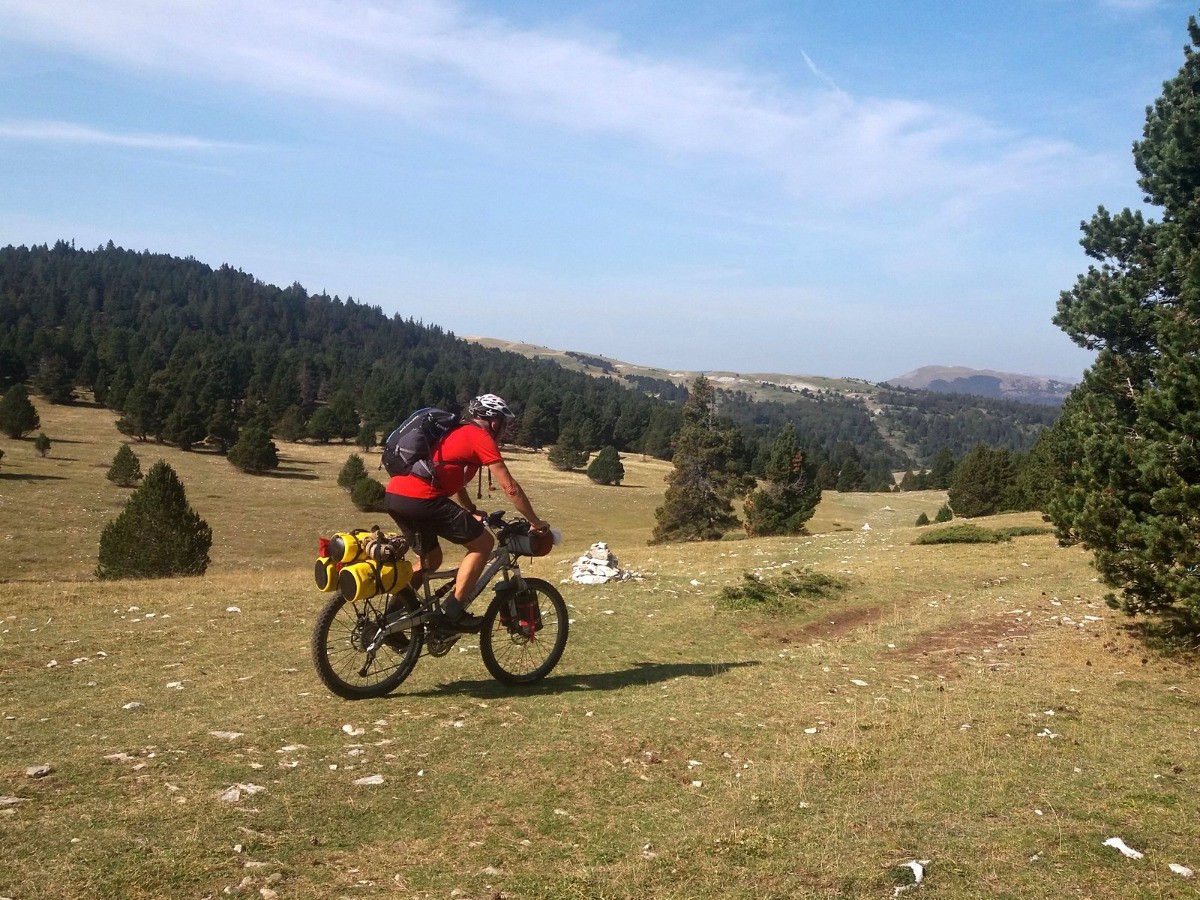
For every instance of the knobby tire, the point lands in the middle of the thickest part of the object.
(338, 654)
(511, 656)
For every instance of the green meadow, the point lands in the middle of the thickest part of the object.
(974, 707)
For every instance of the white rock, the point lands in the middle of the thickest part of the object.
(227, 735)
(918, 870)
(351, 730)
(1181, 870)
(369, 779)
(132, 704)
(233, 793)
(1118, 844)
(39, 771)
(233, 609)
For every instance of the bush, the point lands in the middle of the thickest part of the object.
(958, 534)
(41, 444)
(368, 495)
(352, 472)
(125, 470)
(1013, 531)
(789, 592)
(922, 519)
(945, 514)
(157, 535)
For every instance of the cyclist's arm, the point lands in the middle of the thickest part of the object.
(515, 493)
(463, 499)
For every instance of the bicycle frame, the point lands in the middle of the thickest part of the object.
(500, 560)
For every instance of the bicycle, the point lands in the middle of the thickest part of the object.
(367, 648)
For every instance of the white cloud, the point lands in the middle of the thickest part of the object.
(441, 61)
(67, 132)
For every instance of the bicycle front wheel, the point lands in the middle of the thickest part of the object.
(344, 651)
(524, 634)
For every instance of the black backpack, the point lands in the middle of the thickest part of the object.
(409, 450)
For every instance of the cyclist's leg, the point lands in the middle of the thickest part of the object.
(412, 517)
(469, 570)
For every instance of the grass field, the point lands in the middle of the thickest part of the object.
(975, 706)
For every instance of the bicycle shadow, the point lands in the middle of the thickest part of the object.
(641, 674)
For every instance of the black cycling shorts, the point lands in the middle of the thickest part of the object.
(431, 519)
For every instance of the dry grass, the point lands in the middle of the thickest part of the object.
(677, 751)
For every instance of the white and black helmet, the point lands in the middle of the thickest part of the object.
(489, 406)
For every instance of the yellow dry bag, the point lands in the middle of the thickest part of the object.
(366, 579)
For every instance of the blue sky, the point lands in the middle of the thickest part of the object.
(843, 189)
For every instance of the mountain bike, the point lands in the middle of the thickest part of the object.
(366, 648)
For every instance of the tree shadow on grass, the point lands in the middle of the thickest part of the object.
(640, 674)
(294, 472)
(25, 476)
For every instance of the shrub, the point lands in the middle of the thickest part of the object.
(368, 495)
(352, 472)
(789, 592)
(125, 470)
(944, 514)
(41, 444)
(1013, 531)
(157, 535)
(923, 519)
(958, 534)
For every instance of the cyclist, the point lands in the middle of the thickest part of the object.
(427, 508)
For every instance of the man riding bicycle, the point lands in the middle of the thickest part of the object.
(427, 508)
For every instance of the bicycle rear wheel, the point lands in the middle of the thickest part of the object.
(524, 635)
(341, 647)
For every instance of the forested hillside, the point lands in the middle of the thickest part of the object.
(189, 354)
(175, 345)
(926, 422)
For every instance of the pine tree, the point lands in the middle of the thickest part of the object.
(53, 380)
(157, 535)
(607, 468)
(367, 436)
(922, 519)
(983, 482)
(291, 426)
(17, 414)
(789, 497)
(351, 472)
(1131, 491)
(568, 452)
(941, 470)
(125, 470)
(184, 426)
(254, 451)
(41, 444)
(698, 504)
(221, 427)
(368, 495)
(944, 513)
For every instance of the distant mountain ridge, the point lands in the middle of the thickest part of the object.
(986, 383)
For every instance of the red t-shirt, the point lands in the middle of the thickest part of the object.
(456, 461)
